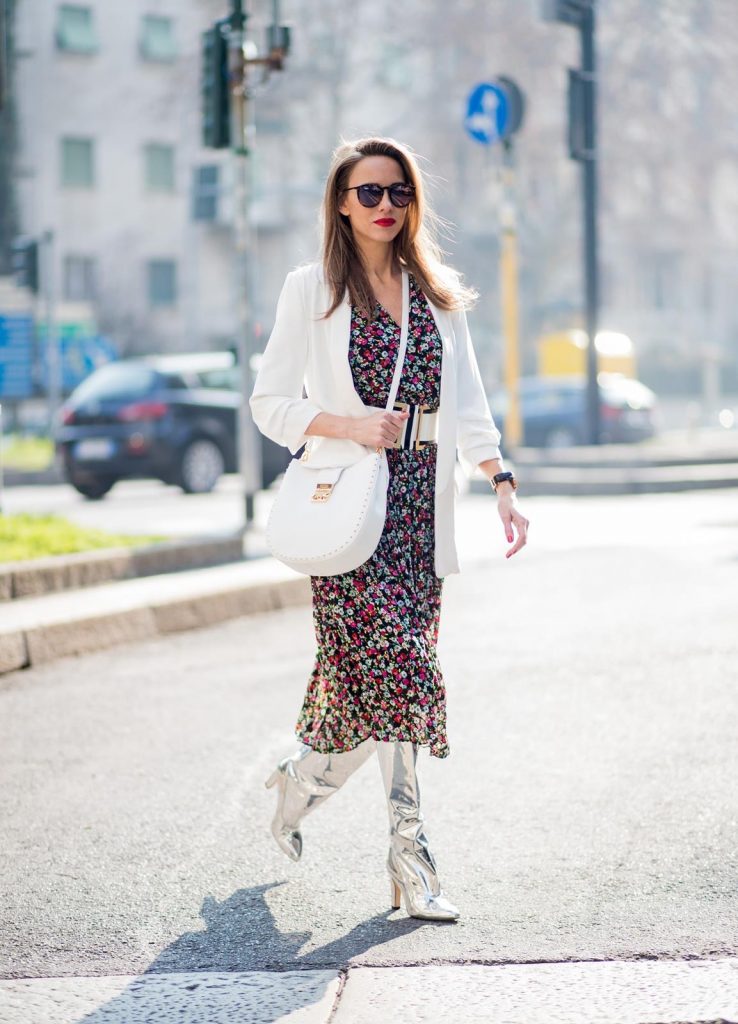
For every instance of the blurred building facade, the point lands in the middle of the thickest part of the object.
(109, 157)
(107, 118)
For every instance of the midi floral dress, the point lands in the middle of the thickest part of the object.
(376, 669)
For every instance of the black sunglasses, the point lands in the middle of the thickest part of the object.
(371, 195)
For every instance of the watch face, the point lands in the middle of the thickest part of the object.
(499, 477)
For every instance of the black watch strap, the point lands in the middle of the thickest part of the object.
(499, 477)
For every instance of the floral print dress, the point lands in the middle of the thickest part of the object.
(376, 670)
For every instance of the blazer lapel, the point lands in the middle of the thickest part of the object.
(338, 339)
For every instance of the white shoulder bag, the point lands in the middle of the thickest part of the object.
(328, 521)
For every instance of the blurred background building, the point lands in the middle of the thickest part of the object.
(101, 145)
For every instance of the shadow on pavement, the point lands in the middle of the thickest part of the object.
(240, 931)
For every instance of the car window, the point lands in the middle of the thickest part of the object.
(116, 380)
(628, 391)
(555, 398)
(227, 377)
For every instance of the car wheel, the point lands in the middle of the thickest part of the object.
(561, 437)
(201, 465)
(94, 488)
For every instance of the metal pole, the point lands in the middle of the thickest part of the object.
(2, 481)
(589, 170)
(53, 341)
(4, 55)
(242, 132)
(509, 295)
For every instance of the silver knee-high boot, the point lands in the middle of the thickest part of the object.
(305, 780)
(411, 866)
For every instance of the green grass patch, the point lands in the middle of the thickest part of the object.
(27, 453)
(26, 536)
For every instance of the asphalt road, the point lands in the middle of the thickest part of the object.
(588, 810)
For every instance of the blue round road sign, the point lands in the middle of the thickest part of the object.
(486, 113)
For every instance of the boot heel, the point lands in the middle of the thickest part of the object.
(273, 779)
(395, 895)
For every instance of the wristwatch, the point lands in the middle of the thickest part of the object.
(499, 477)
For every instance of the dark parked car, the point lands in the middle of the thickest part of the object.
(553, 410)
(174, 418)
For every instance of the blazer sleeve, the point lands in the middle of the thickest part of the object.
(277, 404)
(477, 436)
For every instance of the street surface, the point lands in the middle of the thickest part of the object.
(138, 506)
(588, 809)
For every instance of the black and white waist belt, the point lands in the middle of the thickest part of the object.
(421, 427)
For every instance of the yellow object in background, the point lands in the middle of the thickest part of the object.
(565, 352)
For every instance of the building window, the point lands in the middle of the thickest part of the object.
(77, 169)
(75, 31)
(159, 164)
(162, 282)
(393, 67)
(157, 38)
(205, 192)
(80, 274)
(707, 289)
(664, 280)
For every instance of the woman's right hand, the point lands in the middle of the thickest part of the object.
(381, 429)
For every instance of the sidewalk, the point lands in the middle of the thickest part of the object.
(614, 992)
(39, 629)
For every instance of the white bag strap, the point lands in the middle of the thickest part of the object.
(403, 341)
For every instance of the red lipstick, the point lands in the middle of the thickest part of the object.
(385, 222)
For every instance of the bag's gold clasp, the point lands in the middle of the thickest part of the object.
(322, 492)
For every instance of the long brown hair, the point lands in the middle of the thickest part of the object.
(415, 248)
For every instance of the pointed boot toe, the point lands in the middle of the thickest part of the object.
(437, 908)
(421, 903)
(288, 840)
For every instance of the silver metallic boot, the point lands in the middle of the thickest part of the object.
(306, 780)
(410, 863)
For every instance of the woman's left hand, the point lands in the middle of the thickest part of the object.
(512, 517)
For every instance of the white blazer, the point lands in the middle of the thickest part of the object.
(305, 351)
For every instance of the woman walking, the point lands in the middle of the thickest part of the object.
(376, 686)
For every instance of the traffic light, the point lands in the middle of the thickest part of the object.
(216, 128)
(25, 263)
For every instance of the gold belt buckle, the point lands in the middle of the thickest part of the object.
(401, 407)
(419, 445)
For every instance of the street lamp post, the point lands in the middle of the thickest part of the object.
(583, 147)
(228, 121)
(54, 376)
(241, 140)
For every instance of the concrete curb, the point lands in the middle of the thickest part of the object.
(91, 568)
(575, 992)
(33, 477)
(289, 997)
(677, 461)
(681, 448)
(38, 630)
(551, 479)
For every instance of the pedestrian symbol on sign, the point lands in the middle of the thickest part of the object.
(486, 113)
